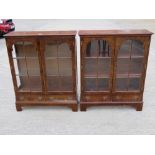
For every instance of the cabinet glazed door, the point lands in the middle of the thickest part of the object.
(129, 67)
(59, 66)
(25, 57)
(97, 65)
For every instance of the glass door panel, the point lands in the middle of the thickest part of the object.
(58, 66)
(27, 68)
(97, 65)
(129, 66)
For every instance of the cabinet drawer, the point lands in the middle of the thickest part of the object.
(59, 97)
(37, 97)
(126, 97)
(29, 97)
(24, 97)
(97, 98)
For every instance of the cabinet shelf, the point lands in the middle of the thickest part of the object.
(128, 75)
(99, 57)
(128, 57)
(48, 58)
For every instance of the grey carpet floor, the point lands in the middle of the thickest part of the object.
(61, 120)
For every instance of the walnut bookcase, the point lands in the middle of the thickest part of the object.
(43, 67)
(113, 67)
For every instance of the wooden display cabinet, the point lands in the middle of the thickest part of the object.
(43, 67)
(113, 67)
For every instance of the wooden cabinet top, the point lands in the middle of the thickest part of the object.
(115, 32)
(40, 33)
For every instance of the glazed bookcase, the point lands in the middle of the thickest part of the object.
(113, 67)
(43, 67)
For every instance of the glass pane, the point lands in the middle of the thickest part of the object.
(123, 65)
(53, 83)
(35, 83)
(104, 48)
(23, 83)
(20, 67)
(99, 48)
(90, 84)
(51, 66)
(65, 66)
(51, 50)
(134, 83)
(103, 66)
(30, 49)
(91, 67)
(63, 50)
(137, 48)
(125, 49)
(66, 83)
(33, 66)
(92, 49)
(103, 84)
(121, 84)
(136, 66)
(19, 50)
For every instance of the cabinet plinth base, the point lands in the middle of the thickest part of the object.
(18, 107)
(138, 105)
(73, 105)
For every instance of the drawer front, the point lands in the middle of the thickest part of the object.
(29, 97)
(91, 98)
(127, 97)
(59, 97)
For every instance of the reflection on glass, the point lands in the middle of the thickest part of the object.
(131, 48)
(125, 48)
(98, 48)
(137, 48)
